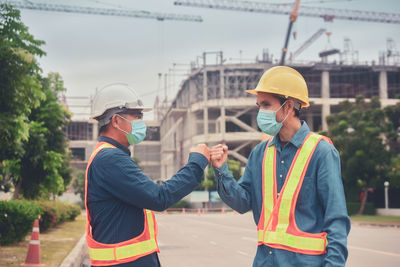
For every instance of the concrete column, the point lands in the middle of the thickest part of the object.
(383, 85)
(325, 95)
(310, 120)
(205, 99)
(222, 90)
(95, 129)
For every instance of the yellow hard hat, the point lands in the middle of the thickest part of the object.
(285, 81)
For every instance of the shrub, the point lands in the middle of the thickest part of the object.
(181, 204)
(56, 212)
(354, 207)
(16, 220)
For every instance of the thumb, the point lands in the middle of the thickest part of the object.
(225, 148)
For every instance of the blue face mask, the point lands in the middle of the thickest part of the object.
(266, 120)
(138, 132)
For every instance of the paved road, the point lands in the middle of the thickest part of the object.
(230, 240)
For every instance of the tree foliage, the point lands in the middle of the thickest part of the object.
(364, 137)
(20, 89)
(210, 185)
(34, 156)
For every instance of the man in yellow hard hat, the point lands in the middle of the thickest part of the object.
(292, 181)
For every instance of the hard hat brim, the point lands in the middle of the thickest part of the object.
(255, 92)
(252, 91)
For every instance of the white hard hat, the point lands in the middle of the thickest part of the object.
(115, 98)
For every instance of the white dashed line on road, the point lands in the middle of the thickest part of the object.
(252, 239)
(242, 253)
(375, 251)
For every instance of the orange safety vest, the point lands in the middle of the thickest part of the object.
(110, 254)
(277, 226)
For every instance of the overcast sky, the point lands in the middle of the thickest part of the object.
(90, 51)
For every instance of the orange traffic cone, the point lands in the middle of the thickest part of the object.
(33, 256)
(222, 211)
(183, 211)
(198, 212)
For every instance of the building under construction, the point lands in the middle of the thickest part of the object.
(213, 107)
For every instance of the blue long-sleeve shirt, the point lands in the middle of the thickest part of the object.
(118, 191)
(321, 205)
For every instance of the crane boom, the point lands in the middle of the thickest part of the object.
(307, 43)
(327, 14)
(102, 11)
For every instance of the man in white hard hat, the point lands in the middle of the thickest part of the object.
(292, 181)
(120, 198)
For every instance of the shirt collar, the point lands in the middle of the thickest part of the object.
(297, 139)
(115, 143)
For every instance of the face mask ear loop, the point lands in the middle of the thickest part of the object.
(286, 114)
(118, 126)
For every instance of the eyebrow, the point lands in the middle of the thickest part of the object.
(263, 103)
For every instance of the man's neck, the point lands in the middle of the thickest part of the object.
(289, 129)
(115, 137)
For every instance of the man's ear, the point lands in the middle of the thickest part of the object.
(290, 105)
(114, 121)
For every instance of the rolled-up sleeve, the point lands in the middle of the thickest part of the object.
(124, 180)
(331, 194)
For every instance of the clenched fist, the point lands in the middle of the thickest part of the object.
(202, 149)
(219, 155)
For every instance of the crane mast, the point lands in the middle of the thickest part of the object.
(292, 19)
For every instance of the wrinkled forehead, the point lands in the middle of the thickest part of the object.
(133, 113)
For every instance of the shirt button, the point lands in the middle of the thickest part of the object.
(282, 161)
(280, 175)
(219, 173)
(270, 253)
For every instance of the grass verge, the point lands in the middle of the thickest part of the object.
(376, 219)
(55, 244)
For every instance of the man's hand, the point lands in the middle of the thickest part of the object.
(219, 155)
(202, 149)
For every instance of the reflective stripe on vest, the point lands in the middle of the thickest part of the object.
(111, 254)
(277, 227)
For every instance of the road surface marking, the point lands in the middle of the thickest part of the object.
(223, 226)
(213, 243)
(242, 253)
(252, 239)
(376, 251)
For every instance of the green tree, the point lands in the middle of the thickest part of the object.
(393, 113)
(33, 156)
(363, 135)
(20, 89)
(79, 185)
(45, 164)
(234, 168)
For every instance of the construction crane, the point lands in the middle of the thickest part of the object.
(307, 43)
(102, 11)
(292, 19)
(328, 14)
(294, 10)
